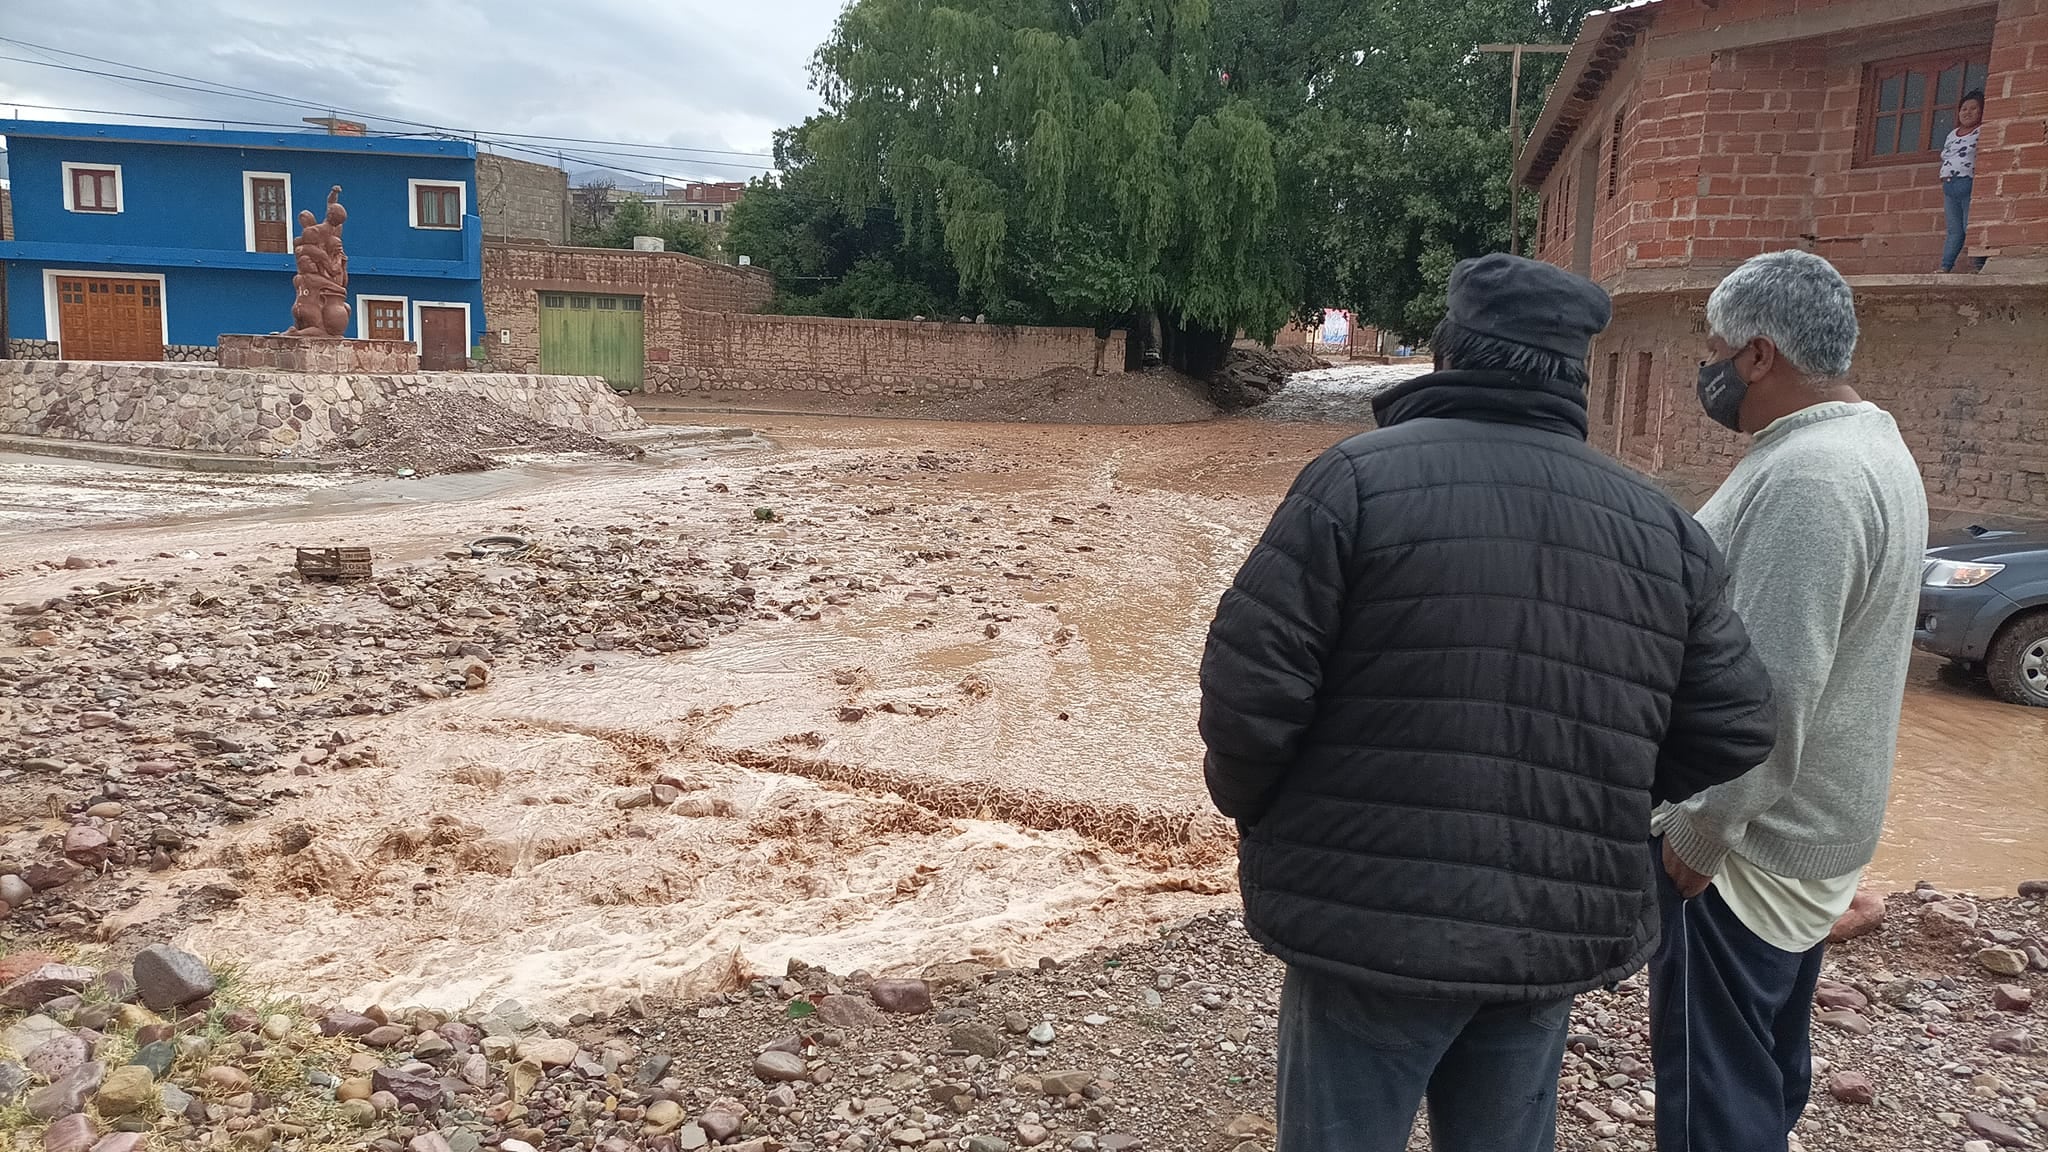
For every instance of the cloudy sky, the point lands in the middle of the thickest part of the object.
(703, 74)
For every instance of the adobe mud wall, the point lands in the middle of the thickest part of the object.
(702, 351)
(668, 284)
(521, 200)
(212, 409)
(1959, 366)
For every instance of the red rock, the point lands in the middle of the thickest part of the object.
(42, 638)
(122, 1142)
(2012, 998)
(340, 1023)
(86, 845)
(1833, 994)
(20, 964)
(51, 874)
(387, 1036)
(73, 1133)
(1865, 915)
(1852, 1088)
(903, 997)
(44, 985)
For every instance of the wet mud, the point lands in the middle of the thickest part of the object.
(989, 752)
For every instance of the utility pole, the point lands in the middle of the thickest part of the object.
(1514, 52)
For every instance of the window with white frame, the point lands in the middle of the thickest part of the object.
(436, 204)
(92, 188)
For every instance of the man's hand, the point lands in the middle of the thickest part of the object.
(1690, 883)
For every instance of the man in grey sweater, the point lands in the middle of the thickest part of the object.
(1824, 524)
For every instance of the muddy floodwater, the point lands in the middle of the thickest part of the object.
(989, 752)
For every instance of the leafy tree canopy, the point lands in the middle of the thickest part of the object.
(632, 217)
(1087, 161)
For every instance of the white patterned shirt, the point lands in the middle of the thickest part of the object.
(1959, 154)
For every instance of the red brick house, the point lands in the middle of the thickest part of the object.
(1684, 136)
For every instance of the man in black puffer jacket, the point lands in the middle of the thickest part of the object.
(1449, 683)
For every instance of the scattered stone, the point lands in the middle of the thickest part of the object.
(127, 1089)
(360, 1113)
(167, 977)
(1842, 1019)
(2034, 889)
(30, 1033)
(1065, 1083)
(691, 1137)
(13, 1082)
(225, 1080)
(156, 1058)
(779, 1066)
(2002, 961)
(68, 1094)
(1042, 1033)
(1833, 994)
(44, 984)
(71, 1133)
(339, 1023)
(1032, 1135)
(1995, 1130)
(980, 1040)
(1949, 918)
(2017, 1041)
(987, 1144)
(663, 1117)
(2012, 998)
(387, 1036)
(422, 1090)
(549, 1053)
(1852, 1088)
(900, 996)
(1865, 915)
(54, 1059)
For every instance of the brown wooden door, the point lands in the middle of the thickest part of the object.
(444, 341)
(384, 319)
(272, 215)
(109, 318)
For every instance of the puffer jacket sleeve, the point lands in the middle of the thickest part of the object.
(1723, 722)
(1263, 666)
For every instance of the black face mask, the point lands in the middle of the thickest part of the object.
(1721, 389)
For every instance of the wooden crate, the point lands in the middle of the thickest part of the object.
(334, 563)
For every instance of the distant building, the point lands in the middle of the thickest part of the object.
(708, 204)
(1685, 136)
(522, 200)
(144, 243)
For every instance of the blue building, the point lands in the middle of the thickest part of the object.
(141, 243)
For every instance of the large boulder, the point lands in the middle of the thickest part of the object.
(168, 978)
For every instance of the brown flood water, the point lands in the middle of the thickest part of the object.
(1024, 669)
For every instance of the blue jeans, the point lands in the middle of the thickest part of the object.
(1955, 204)
(1355, 1065)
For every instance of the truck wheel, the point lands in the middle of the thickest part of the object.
(2018, 661)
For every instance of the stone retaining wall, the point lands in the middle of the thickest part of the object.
(206, 408)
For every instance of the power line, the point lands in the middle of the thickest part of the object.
(216, 88)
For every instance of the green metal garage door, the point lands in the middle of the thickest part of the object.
(585, 335)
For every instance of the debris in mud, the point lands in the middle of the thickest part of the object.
(351, 563)
(144, 713)
(431, 431)
(1250, 375)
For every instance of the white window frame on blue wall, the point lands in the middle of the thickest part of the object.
(412, 203)
(249, 208)
(363, 313)
(71, 188)
(468, 329)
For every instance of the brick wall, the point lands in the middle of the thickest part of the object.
(1726, 152)
(2009, 207)
(669, 283)
(520, 200)
(1957, 366)
(707, 351)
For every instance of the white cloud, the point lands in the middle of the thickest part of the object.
(707, 74)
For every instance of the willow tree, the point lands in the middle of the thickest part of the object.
(1078, 161)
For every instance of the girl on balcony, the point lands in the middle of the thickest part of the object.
(1958, 174)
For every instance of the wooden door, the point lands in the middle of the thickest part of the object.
(444, 339)
(109, 318)
(582, 335)
(272, 215)
(384, 319)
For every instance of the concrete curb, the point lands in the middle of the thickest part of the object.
(175, 458)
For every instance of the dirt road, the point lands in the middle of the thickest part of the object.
(958, 722)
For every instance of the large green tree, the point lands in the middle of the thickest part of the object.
(1074, 162)
(1096, 161)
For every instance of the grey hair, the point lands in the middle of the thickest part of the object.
(1797, 301)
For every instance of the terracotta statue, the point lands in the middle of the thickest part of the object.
(320, 303)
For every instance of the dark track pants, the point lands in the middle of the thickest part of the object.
(1729, 1018)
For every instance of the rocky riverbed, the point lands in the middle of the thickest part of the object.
(1925, 1036)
